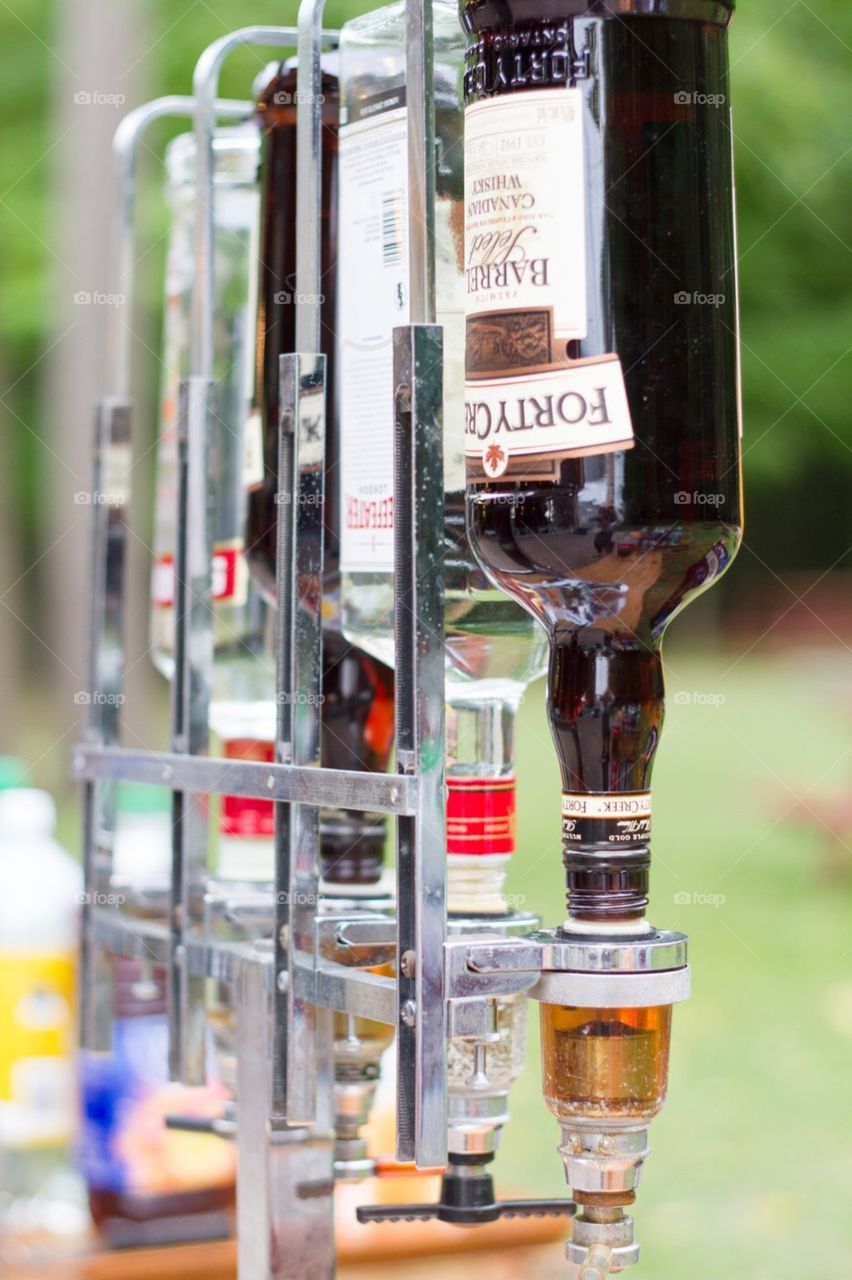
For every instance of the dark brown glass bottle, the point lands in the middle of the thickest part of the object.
(602, 529)
(277, 109)
(356, 732)
(357, 713)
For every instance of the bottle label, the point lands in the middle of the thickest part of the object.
(247, 816)
(480, 816)
(229, 579)
(555, 411)
(619, 820)
(526, 292)
(37, 1102)
(373, 299)
(525, 264)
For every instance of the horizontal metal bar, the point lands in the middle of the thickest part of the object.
(141, 939)
(331, 788)
(356, 991)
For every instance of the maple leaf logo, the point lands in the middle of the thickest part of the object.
(494, 460)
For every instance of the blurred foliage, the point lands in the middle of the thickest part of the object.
(792, 93)
(791, 86)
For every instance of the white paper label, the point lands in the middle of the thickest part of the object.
(576, 409)
(253, 451)
(373, 299)
(525, 272)
(524, 208)
(634, 804)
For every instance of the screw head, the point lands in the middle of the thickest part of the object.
(408, 1013)
(408, 964)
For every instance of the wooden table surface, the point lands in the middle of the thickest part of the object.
(218, 1262)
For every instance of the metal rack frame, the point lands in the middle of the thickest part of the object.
(286, 991)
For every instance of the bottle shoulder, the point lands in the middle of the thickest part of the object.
(387, 26)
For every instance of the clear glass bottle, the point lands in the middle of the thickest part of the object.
(242, 703)
(493, 648)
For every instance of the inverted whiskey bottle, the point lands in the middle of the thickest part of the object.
(357, 690)
(602, 414)
(493, 649)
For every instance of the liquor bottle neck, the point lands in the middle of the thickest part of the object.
(605, 698)
(480, 801)
(606, 712)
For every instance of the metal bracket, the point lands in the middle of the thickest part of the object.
(421, 839)
(301, 473)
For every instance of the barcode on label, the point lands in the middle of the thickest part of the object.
(392, 228)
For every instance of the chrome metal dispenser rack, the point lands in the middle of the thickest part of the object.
(285, 992)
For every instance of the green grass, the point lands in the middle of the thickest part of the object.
(750, 1173)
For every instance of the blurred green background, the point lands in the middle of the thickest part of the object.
(751, 1170)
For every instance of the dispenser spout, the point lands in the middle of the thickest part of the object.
(596, 1265)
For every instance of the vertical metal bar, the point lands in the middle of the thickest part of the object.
(421, 840)
(420, 82)
(109, 498)
(190, 710)
(299, 568)
(284, 1192)
(194, 647)
(309, 178)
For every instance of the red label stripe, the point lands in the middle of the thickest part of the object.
(480, 815)
(247, 816)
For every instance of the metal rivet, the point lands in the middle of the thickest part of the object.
(408, 964)
(408, 1013)
(281, 981)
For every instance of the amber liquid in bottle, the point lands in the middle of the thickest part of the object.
(611, 1063)
(609, 547)
(357, 711)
